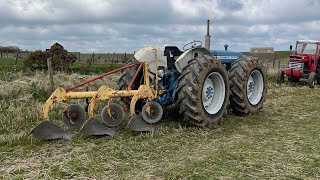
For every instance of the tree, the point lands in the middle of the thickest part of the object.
(37, 60)
(60, 57)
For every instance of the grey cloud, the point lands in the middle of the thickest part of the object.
(120, 25)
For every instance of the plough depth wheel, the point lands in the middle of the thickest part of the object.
(115, 117)
(152, 112)
(74, 116)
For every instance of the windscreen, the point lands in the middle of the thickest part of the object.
(306, 48)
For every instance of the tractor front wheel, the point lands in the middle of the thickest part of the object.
(293, 79)
(280, 77)
(248, 86)
(203, 92)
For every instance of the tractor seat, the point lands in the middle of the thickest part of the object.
(171, 52)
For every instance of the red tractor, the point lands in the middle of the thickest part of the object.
(304, 63)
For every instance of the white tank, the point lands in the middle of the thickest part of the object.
(151, 54)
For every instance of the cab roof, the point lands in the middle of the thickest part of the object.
(309, 41)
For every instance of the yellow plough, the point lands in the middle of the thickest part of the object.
(74, 116)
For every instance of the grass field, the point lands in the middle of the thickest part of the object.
(280, 142)
(8, 65)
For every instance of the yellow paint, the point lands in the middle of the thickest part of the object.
(145, 91)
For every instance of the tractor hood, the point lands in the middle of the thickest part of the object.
(226, 57)
(300, 57)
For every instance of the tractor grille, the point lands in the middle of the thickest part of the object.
(296, 65)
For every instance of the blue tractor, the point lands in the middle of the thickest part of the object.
(202, 83)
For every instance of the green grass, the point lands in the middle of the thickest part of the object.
(7, 65)
(84, 68)
(280, 142)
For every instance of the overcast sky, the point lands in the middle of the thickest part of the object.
(128, 25)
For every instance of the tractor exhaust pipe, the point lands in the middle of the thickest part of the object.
(208, 37)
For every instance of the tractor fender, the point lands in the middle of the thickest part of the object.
(184, 58)
(151, 54)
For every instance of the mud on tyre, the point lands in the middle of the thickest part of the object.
(203, 92)
(247, 85)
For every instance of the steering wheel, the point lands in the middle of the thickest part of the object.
(192, 44)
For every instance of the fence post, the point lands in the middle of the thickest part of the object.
(50, 71)
(113, 57)
(125, 57)
(79, 57)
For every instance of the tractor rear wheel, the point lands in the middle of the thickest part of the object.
(312, 80)
(126, 76)
(125, 79)
(203, 92)
(248, 86)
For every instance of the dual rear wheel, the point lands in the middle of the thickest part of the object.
(206, 88)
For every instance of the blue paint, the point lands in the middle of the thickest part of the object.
(226, 57)
(169, 83)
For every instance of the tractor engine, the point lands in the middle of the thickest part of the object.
(297, 66)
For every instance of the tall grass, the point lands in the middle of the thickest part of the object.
(280, 142)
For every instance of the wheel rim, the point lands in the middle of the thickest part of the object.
(213, 93)
(255, 87)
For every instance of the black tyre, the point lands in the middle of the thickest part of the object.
(248, 86)
(127, 75)
(280, 77)
(203, 92)
(312, 80)
(125, 79)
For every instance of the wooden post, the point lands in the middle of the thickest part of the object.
(105, 58)
(113, 57)
(79, 57)
(50, 71)
(125, 58)
(93, 57)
